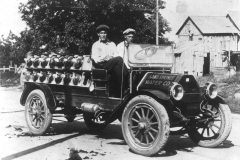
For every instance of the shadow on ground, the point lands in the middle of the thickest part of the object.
(113, 131)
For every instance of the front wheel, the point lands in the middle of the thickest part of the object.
(37, 114)
(214, 127)
(145, 125)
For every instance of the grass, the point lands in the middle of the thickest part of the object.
(9, 79)
(227, 89)
(231, 80)
(234, 105)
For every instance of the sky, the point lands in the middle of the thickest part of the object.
(10, 18)
(175, 13)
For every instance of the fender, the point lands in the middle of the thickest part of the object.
(216, 100)
(159, 94)
(50, 98)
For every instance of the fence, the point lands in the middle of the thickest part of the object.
(10, 74)
(10, 68)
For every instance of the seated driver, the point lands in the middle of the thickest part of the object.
(104, 57)
(122, 47)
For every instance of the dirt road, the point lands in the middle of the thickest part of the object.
(16, 143)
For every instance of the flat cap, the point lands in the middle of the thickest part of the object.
(129, 31)
(102, 27)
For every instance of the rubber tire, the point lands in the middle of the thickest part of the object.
(164, 120)
(48, 115)
(224, 132)
(91, 124)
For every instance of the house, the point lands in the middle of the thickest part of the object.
(234, 17)
(202, 42)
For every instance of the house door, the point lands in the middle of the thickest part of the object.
(206, 64)
(238, 63)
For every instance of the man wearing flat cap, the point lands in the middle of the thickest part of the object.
(122, 47)
(104, 57)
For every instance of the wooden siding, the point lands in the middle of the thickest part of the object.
(190, 61)
(189, 27)
(214, 45)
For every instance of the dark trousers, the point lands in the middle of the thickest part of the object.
(115, 67)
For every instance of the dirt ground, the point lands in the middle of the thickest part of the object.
(109, 144)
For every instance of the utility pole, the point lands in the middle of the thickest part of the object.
(157, 43)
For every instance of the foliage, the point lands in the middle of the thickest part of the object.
(202, 80)
(13, 48)
(9, 78)
(235, 79)
(71, 24)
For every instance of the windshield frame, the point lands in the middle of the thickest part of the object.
(148, 53)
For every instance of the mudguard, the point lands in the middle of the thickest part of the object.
(159, 94)
(216, 100)
(50, 98)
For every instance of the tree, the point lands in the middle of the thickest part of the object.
(13, 48)
(71, 24)
(6, 48)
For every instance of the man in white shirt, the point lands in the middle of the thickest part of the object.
(104, 57)
(122, 47)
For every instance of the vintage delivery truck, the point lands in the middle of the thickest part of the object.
(158, 103)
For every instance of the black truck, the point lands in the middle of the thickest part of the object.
(158, 103)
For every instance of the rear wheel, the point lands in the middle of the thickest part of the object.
(215, 129)
(37, 114)
(145, 125)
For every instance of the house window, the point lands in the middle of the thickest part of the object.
(190, 35)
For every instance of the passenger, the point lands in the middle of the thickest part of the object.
(104, 57)
(122, 47)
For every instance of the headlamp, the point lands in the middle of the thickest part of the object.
(176, 91)
(211, 90)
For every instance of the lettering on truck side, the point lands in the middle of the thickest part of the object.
(153, 82)
(161, 77)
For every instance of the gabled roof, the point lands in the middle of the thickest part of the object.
(234, 17)
(211, 25)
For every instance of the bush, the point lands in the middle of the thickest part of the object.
(233, 104)
(203, 80)
(9, 78)
(231, 80)
(227, 88)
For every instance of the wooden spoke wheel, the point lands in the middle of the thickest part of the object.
(214, 128)
(145, 125)
(37, 114)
